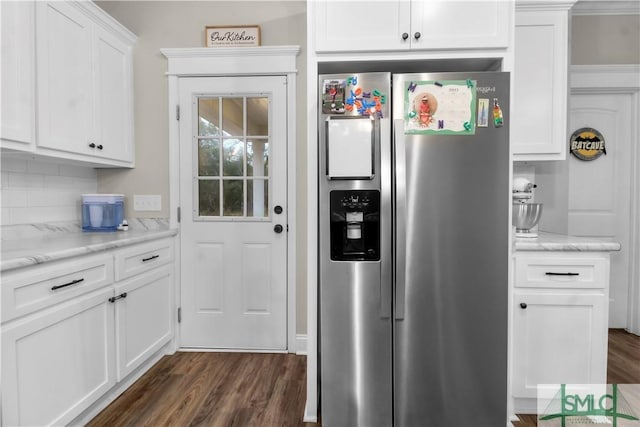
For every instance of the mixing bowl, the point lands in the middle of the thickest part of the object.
(526, 216)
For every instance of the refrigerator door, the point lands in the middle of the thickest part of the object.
(452, 228)
(355, 348)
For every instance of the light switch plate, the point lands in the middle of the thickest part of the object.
(147, 202)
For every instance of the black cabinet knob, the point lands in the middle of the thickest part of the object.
(523, 305)
(278, 209)
(99, 147)
(92, 145)
(405, 36)
(278, 228)
(417, 35)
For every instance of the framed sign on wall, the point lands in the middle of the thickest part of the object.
(232, 36)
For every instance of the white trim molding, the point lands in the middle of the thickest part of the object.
(301, 344)
(232, 61)
(606, 7)
(621, 79)
(245, 61)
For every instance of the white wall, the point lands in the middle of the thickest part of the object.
(35, 191)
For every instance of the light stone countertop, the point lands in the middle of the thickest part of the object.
(53, 246)
(565, 243)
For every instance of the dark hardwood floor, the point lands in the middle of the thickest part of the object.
(214, 389)
(623, 366)
(249, 389)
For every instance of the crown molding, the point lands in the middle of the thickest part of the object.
(606, 7)
(238, 61)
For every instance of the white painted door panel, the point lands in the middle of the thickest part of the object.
(18, 74)
(65, 88)
(599, 189)
(58, 362)
(558, 339)
(233, 175)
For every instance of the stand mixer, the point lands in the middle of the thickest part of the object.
(525, 215)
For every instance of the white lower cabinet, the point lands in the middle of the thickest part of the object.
(62, 353)
(560, 305)
(58, 362)
(143, 318)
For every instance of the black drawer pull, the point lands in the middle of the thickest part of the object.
(551, 273)
(73, 282)
(150, 258)
(114, 299)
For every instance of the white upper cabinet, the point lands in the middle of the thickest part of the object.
(84, 83)
(18, 75)
(540, 81)
(415, 24)
(65, 95)
(113, 88)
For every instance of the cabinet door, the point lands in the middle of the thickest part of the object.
(113, 103)
(443, 24)
(370, 26)
(58, 362)
(143, 317)
(64, 76)
(18, 76)
(558, 339)
(539, 118)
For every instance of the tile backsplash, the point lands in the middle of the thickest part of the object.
(36, 191)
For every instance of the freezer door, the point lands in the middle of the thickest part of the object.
(452, 227)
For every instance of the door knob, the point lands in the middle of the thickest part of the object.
(417, 35)
(278, 209)
(278, 228)
(405, 36)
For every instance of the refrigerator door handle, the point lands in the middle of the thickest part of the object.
(400, 215)
(383, 141)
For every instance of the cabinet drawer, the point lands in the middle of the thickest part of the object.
(138, 259)
(39, 287)
(561, 272)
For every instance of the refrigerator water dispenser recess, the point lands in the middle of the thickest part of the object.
(355, 225)
(350, 143)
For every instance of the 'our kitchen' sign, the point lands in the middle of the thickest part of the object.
(587, 144)
(232, 36)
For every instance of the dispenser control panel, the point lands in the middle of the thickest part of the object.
(355, 201)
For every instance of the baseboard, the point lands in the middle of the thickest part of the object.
(309, 418)
(301, 344)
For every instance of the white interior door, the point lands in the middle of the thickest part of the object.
(600, 190)
(233, 197)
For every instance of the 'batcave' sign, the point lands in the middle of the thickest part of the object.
(587, 144)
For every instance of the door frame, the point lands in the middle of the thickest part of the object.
(621, 79)
(225, 62)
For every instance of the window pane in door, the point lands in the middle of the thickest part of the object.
(209, 197)
(257, 198)
(233, 193)
(208, 116)
(233, 157)
(258, 116)
(209, 157)
(258, 157)
(233, 116)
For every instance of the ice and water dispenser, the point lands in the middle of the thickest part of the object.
(355, 225)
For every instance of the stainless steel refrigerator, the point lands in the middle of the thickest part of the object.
(413, 249)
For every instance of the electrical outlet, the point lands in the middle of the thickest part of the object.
(147, 202)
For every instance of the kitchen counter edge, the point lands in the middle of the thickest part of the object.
(565, 243)
(81, 245)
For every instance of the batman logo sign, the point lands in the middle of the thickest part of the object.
(587, 144)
